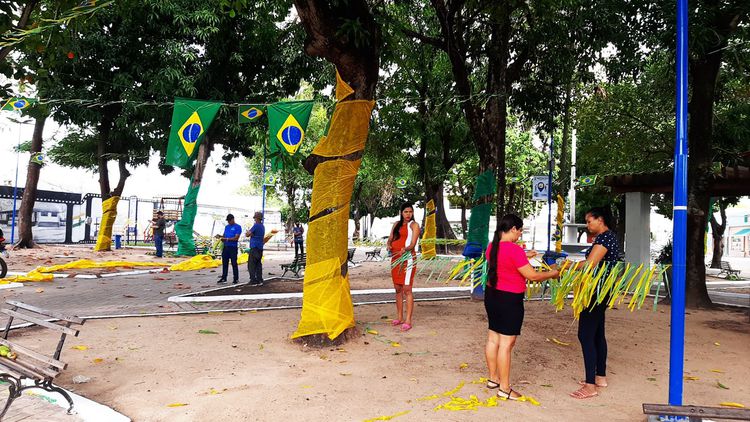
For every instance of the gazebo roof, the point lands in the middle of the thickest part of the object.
(729, 181)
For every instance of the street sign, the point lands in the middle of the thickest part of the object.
(540, 188)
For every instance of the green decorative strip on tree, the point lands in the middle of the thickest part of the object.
(184, 228)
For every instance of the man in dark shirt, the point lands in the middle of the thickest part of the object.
(159, 224)
(256, 234)
(299, 241)
(231, 235)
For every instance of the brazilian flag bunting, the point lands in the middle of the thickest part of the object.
(586, 181)
(190, 122)
(249, 113)
(18, 103)
(287, 124)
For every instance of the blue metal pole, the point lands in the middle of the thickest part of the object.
(549, 191)
(677, 330)
(263, 206)
(15, 190)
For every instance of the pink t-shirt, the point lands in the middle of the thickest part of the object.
(510, 258)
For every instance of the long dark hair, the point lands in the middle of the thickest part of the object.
(397, 227)
(506, 224)
(605, 214)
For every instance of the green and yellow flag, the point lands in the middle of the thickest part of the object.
(18, 103)
(190, 122)
(287, 123)
(249, 113)
(586, 181)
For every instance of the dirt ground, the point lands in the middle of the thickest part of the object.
(251, 370)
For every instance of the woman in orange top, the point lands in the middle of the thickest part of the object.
(403, 239)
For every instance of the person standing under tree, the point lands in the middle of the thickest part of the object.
(159, 224)
(299, 241)
(232, 234)
(403, 240)
(254, 264)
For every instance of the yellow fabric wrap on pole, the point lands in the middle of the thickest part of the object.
(109, 214)
(430, 232)
(559, 228)
(327, 304)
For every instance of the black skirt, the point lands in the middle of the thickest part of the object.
(504, 311)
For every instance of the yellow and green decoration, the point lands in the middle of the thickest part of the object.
(287, 126)
(401, 182)
(18, 103)
(270, 179)
(190, 122)
(584, 181)
(250, 113)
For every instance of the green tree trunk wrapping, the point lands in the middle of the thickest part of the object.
(184, 228)
(479, 221)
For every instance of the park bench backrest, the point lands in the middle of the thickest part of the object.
(29, 362)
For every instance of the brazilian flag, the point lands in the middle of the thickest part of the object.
(18, 103)
(586, 181)
(190, 122)
(287, 123)
(249, 113)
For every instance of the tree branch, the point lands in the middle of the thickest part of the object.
(438, 43)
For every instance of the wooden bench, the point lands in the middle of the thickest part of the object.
(297, 265)
(696, 413)
(373, 254)
(727, 269)
(29, 364)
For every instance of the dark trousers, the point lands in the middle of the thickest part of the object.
(299, 244)
(159, 243)
(229, 253)
(254, 265)
(593, 342)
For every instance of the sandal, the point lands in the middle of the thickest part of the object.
(492, 384)
(582, 382)
(506, 395)
(405, 327)
(580, 394)
(396, 322)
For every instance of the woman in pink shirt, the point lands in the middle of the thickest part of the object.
(509, 269)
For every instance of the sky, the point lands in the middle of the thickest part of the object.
(144, 182)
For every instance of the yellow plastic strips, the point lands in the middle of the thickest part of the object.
(387, 418)
(109, 214)
(32, 275)
(430, 232)
(327, 304)
(343, 89)
(197, 262)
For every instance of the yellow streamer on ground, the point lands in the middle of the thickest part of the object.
(197, 262)
(430, 232)
(387, 418)
(44, 273)
(327, 304)
(109, 215)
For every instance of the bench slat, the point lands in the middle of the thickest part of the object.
(33, 354)
(36, 371)
(41, 322)
(53, 314)
(696, 411)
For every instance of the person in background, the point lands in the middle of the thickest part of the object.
(232, 233)
(299, 241)
(159, 224)
(254, 264)
(509, 268)
(403, 240)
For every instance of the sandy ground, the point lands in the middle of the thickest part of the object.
(251, 370)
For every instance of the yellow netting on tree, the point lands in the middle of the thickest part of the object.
(109, 214)
(327, 304)
(430, 232)
(559, 224)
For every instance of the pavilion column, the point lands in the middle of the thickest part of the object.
(638, 228)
